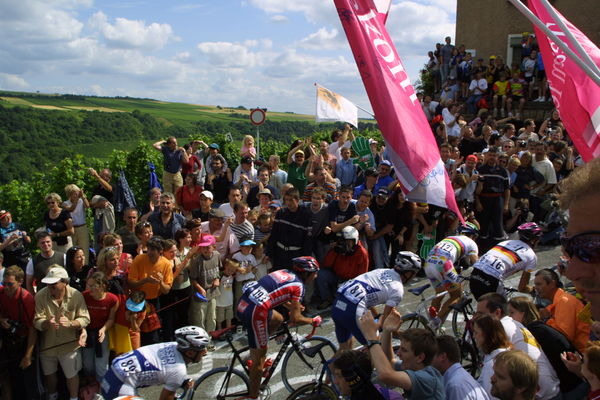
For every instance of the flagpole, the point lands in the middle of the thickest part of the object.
(360, 108)
(562, 45)
(559, 21)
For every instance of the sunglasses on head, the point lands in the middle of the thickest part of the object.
(584, 245)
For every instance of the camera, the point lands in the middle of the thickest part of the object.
(14, 326)
(522, 143)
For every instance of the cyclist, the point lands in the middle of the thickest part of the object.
(441, 263)
(256, 310)
(504, 259)
(155, 364)
(380, 286)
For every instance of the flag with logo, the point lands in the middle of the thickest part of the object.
(333, 107)
(575, 94)
(410, 143)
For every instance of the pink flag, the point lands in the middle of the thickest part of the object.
(576, 96)
(410, 142)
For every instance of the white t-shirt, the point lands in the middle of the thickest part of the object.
(523, 340)
(335, 149)
(478, 86)
(151, 365)
(545, 168)
(487, 370)
(381, 286)
(225, 297)
(507, 258)
(449, 118)
(245, 261)
(78, 214)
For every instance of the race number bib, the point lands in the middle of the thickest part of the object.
(128, 364)
(259, 296)
(355, 293)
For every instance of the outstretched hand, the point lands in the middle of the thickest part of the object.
(392, 322)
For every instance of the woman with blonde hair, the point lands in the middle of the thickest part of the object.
(59, 223)
(553, 343)
(76, 204)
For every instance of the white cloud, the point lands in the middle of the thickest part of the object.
(315, 11)
(12, 82)
(278, 18)
(324, 39)
(130, 34)
(228, 54)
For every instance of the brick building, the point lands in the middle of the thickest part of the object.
(495, 27)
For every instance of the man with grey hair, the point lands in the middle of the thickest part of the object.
(165, 222)
(60, 313)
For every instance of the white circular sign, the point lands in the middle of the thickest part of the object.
(257, 116)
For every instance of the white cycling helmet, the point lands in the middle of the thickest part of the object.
(191, 338)
(350, 233)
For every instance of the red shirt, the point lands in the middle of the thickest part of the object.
(186, 199)
(99, 309)
(188, 168)
(348, 266)
(19, 308)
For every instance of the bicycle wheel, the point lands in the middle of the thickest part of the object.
(459, 319)
(295, 372)
(313, 390)
(217, 384)
(469, 356)
(414, 321)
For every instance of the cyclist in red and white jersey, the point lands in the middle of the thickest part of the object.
(505, 259)
(440, 266)
(256, 309)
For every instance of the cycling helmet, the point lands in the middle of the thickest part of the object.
(191, 338)
(407, 261)
(529, 231)
(305, 264)
(468, 229)
(350, 233)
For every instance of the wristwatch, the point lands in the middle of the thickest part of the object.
(371, 343)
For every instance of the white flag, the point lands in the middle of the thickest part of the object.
(333, 107)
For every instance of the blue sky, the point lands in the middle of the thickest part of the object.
(265, 53)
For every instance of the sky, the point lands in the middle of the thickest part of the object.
(254, 53)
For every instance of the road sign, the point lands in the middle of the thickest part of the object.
(257, 116)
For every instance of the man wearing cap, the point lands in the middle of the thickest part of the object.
(215, 226)
(290, 236)
(264, 176)
(241, 227)
(379, 243)
(39, 264)
(384, 179)
(264, 200)
(173, 156)
(60, 313)
(13, 241)
(492, 196)
(297, 163)
(206, 200)
(213, 153)
(204, 276)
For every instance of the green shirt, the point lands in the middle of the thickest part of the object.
(296, 176)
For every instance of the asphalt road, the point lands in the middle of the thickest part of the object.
(547, 257)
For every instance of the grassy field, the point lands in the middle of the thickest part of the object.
(175, 113)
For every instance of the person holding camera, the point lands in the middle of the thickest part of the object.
(17, 308)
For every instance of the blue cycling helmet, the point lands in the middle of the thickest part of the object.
(468, 229)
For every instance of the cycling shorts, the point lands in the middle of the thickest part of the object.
(345, 315)
(256, 321)
(481, 283)
(441, 272)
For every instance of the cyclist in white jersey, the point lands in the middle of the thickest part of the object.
(156, 364)
(505, 259)
(440, 266)
(380, 286)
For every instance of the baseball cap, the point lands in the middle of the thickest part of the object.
(207, 193)
(471, 157)
(386, 162)
(248, 243)
(216, 213)
(275, 204)
(299, 151)
(54, 275)
(214, 146)
(135, 307)
(373, 141)
(247, 160)
(4, 213)
(265, 191)
(383, 191)
(492, 57)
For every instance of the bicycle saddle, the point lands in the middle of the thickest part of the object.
(312, 351)
(418, 290)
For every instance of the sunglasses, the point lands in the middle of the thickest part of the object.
(584, 245)
(8, 284)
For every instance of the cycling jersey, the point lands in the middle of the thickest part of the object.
(439, 266)
(150, 365)
(381, 286)
(259, 297)
(507, 258)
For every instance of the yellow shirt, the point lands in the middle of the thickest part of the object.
(142, 268)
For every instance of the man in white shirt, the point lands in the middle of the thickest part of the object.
(450, 113)
(341, 139)
(477, 89)
(544, 166)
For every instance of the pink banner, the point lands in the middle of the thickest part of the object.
(576, 96)
(410, 143)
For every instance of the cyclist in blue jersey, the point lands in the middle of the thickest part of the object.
(156, 364)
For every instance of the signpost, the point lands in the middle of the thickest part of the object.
(257, 118)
